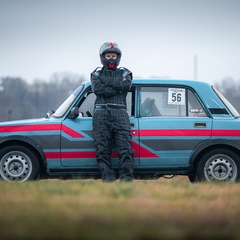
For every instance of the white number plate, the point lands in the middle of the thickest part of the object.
(176, 96)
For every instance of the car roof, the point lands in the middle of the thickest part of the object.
(169, 81)
(152, 81)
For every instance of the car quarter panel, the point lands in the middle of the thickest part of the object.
(41, 134)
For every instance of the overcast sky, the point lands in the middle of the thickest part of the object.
(158, 38)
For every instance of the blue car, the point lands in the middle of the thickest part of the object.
(179, 127)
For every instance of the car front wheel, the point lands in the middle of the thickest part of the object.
(18, 163)
(219, 165)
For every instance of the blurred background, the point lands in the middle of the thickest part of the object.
(48, 47)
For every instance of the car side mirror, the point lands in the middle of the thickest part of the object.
(74, 113)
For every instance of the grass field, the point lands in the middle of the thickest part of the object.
(144, 210)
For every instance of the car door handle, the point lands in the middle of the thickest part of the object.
(200, 125)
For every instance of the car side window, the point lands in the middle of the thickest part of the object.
(169, 102)
(86, 106)
(130, 103)
(86, 109)
(195, 109)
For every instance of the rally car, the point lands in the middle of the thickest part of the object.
(179, 127)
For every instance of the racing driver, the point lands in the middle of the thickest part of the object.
(111, 125)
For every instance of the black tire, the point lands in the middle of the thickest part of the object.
(18, 163)
(219, 165)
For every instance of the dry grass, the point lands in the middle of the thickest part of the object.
(89, 209)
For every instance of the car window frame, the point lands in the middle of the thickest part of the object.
(186, 87)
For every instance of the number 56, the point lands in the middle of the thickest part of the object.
(176, 97)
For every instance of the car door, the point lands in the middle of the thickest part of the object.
(77, 142)
(172, 124)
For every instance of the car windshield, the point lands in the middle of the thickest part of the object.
(227, 103)
(67, 103)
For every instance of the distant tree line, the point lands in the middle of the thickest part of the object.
(22, 100)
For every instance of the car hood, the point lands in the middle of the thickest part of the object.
(24, 122)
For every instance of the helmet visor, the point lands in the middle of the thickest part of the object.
(110, 55)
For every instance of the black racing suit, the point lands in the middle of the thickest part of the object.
(111, 121)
